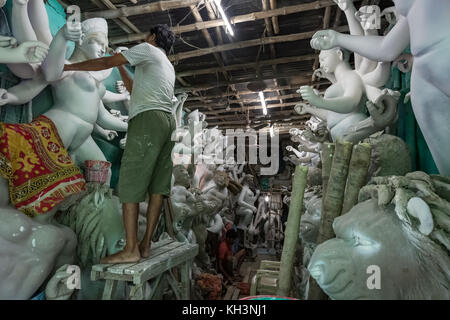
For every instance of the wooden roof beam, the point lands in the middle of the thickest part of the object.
(246, 44)
(140, 9)
(219, 22)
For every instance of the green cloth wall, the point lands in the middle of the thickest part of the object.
(407, 127)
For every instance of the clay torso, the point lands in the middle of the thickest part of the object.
(80, 114)
(30, 251)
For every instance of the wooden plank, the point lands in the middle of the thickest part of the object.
(155, 285)
(143, 265)
(120, 268)
(185, 280)
(137, 292)
(159, 290)
(110, 288)
(174, 285)
(166, 262)
(102, 267)
(112, 276)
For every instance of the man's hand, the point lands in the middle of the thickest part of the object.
(3, 97)
(309, 95)
(324, 40)
(31, 52)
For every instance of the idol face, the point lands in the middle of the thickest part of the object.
(329, 60)
(94, 45)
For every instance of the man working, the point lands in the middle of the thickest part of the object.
(146, 163)
(225, 259)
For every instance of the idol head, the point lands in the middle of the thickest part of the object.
(181, 176)
(330, 59)
(94, 38)
(221, 179)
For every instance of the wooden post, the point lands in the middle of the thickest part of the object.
(291, 232)
(332, 203)
(357, 175)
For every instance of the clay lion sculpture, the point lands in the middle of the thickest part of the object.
(401, 226)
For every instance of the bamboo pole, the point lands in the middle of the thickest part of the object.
(213, 23)
(276, 28)
(357, 175)
(291, 232)
(334, 197)
(327, 158)
(332, 204)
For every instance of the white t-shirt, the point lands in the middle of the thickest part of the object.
(154, 79)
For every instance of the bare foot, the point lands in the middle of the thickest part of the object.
(125, 256)
(144, 249)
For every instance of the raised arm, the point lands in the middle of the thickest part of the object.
(303, 108)
(53, 65)
(108, 135)
(24, 92)
(354, 25)
(350, 13)
(111, 97)
(378, 48)
(98, 64)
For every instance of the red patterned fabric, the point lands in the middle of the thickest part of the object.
(40, 171)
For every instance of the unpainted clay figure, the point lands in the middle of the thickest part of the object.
(246, 208)
(22, 57)
(183, 204)
(31, 249)
(425, 28)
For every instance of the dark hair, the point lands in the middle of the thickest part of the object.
(165, 37)
(231, 234)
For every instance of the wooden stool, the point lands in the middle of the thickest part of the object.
(164, 256)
